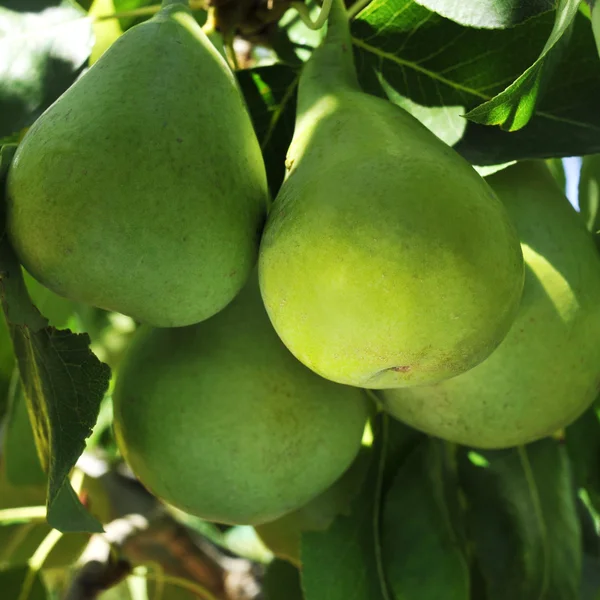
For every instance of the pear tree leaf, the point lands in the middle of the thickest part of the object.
(590, 541)
(106, 31)
(345, 561)
(282, 582)
(22, 584)
(583, 446)
(403, 50)
(270, 94)
(557, 168)
(422, 526)
(523, 522)
(489, 14)
(43, 48)
(513, 108)
(590, 580)
(589, 192)
(21, 460)
(63, 384)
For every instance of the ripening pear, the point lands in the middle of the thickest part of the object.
(386, 260)
(142, 189)
(546, 372)
(220, 420)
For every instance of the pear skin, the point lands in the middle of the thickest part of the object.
(546, 372)
(220, 420)
(386, 261)
(142, 189)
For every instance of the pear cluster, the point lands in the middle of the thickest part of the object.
(386, 263)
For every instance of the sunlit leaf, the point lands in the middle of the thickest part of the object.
(490, 14)
(41, 54)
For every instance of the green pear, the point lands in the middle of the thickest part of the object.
(387, 260)
(142, 189)
(220, 420)
(546, 372)
(284, 535)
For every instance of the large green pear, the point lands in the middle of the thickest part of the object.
(142, 189)
(546, 372)
(220, 420)
(387, 260)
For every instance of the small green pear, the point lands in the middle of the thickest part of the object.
(220, 420)
(142, 189)
(387, 260)
(546, 372)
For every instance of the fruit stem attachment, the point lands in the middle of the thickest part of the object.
(331, 65)
(304, 14)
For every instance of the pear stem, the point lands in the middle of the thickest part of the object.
(357, 7)
(166, 3)
(332, 63)
(304, 14)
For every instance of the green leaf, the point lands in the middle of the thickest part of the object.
(590, 581)
(270, 94)
(589, 192)
(41, 54)
(20, 583)
(557, 168)
(404, 50)
(346, 560)
(7, 364)
(490, 14)
(422, 526)
(21, 460)
(523, 522)
(63, 383)
(282, 582)
(583, 446)
(513, 108)
(590, 542)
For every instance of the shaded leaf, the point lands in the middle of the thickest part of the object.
(590, 541)
(270, 94)
(583, 446)
(63, 384)
(590, 580)
(21, 460)
(565, 122)
(404, 50)
(513, 108)
(41, 55)
(491, 14)
(282, 582)
(557, 168)
(523, 522)
(589, 192)
(19, 583)
(345, 561)
(423, 552)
